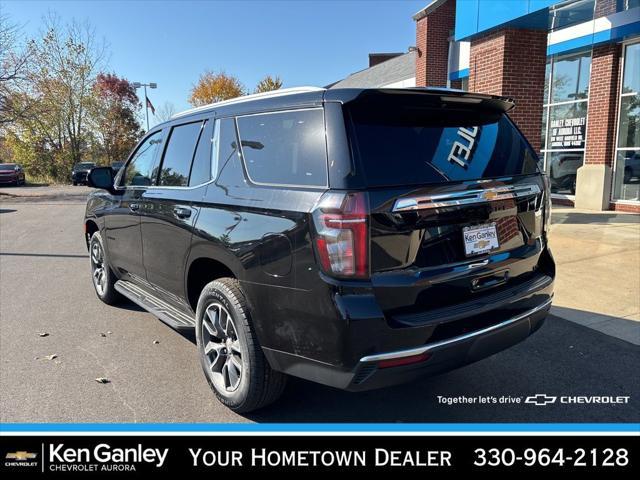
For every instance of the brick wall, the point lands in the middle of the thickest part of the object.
(512, 62)
(604, 7)
(603, 102)
(432, 39)
(625, 207)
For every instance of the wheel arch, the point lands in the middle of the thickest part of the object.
(206, 265)
(90, 227)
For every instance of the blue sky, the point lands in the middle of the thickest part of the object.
(172, 42)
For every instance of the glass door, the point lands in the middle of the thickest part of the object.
(564, 124)
(626, 184)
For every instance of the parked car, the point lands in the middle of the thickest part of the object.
(12, 174)
(116, 166)
(358, 238)
(563, 168)
(80, 172)
(631, 165)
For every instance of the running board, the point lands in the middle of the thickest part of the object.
(152, 304)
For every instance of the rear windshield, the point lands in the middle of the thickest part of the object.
(413, 145)
(7, 166)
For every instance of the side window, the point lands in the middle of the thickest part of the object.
(139, 170)
(178, 155)
(201, 168)
(285, 148)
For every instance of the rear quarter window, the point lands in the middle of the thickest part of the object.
(285, 148)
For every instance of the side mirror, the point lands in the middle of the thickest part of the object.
(101, 177)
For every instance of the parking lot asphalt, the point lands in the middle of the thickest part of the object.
(154, 374)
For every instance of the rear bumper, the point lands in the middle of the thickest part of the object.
(449, 354)
(438, 356)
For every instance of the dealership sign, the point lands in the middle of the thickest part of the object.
(568, 132)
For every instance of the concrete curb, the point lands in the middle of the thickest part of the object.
(626, 329)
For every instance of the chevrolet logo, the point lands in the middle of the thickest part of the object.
(21, 456)
(490, 195)
(540, 399)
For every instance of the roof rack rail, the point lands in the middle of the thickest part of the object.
(246, 98)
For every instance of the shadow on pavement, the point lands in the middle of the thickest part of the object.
(52, 255)
(581, 218)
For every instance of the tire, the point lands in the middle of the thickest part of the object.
(255, 385)
(104, 283)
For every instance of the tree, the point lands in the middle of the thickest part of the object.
(66, 61)
(57, 91)
(268, 84)
(165, 111)
(113, 112)
(14, 63)
(215, 87)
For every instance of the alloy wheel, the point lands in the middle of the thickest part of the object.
(98, 268)
(222, 350)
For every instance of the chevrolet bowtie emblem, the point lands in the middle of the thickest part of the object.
(540, 399)
(20, 455)
(490, 195)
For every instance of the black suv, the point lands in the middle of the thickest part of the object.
(80, 172)
(354, 237)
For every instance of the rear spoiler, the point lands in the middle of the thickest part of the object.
(436, 95)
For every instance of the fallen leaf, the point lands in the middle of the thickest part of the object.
(109, 332)
(52, 356)
(103, 380)
(43, 334)
(103, 334)
(156, 342)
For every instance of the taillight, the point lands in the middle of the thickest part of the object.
(342, 234)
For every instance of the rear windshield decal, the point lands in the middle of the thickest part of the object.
(462, 149)
(472, 148)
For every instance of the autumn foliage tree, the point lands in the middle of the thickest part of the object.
(57, 108)
(114, 114)
(215, 87)
(268, 83)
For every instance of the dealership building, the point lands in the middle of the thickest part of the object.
(573, 68)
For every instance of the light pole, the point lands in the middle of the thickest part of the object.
(137, 85)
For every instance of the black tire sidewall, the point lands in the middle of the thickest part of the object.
(216, 292)
(110, 295)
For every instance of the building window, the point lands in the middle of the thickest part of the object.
(571, 12)
(627, 166)
(564, 121)
(627, 4)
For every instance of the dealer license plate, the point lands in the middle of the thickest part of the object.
(480, 239)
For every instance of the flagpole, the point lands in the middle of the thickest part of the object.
(146, 105)
(137, 85)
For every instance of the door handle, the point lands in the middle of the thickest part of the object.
(181, 212)
(134, 207)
